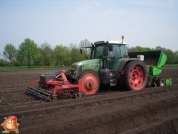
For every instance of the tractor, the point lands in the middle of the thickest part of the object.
(109, 64)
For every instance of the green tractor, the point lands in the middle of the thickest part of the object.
(109, 64)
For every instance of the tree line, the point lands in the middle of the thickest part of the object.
(30, 54)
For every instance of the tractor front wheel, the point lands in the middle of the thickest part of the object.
(134, 76)
(89, 82)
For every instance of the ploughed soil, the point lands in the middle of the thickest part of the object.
(151, 110)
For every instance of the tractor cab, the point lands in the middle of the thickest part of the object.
(109, 51)
(112, 49)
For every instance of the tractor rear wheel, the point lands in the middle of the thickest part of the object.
(89, 82)
(134, 76)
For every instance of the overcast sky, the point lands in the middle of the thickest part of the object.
(146, 23)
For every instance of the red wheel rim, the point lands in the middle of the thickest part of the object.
(136, 77)
(89, 84)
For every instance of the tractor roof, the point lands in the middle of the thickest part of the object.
(111, 41)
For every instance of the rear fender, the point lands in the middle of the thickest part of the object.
(121, 66)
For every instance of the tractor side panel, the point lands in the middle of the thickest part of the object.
(95, 65)
(116, 65)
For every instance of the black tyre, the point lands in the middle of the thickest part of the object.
(134, 76)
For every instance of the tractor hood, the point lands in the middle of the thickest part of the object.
(94, 64)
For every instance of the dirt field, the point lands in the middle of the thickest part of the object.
(151, 110)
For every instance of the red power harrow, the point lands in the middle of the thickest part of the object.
(63, 84)
(49, 87)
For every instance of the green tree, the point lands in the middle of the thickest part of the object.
(46, 53)
(20, 57)
(28, 50)
(75, 53)
(171, 57)
(38, 58)
(9, 52)
(3, 62)
(61, 54)
(176, 56)
(160, 48)
(139, 49)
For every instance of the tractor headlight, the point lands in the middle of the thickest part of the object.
(76, 69)
(72, 68)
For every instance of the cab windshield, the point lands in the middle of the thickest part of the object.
(116, 53)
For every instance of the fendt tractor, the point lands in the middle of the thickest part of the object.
(109, 64)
